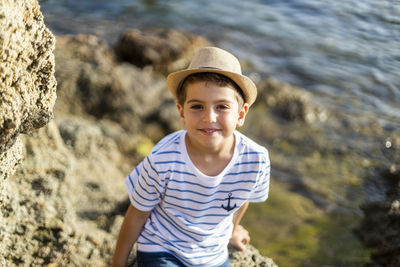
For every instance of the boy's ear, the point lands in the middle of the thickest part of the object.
(242, 114)
(180, 110)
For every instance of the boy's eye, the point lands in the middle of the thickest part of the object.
(223, 106)
(196, 106)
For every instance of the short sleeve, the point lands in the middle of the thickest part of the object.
(261, 188)
(144, 186)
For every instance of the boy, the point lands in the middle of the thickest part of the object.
(189, 194)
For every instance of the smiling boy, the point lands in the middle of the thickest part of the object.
(190, 193)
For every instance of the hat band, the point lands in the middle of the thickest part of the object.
(213, 68)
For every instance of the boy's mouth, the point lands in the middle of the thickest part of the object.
(209, 131)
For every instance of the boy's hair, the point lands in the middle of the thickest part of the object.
(213, 77)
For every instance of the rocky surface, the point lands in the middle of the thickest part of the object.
(28, 86)
(250, 257)
(380, 229)
(290, 102)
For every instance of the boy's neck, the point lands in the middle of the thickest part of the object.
(208, 161)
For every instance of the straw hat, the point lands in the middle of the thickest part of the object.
(213, 59)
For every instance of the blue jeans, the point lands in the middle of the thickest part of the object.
(163, 259)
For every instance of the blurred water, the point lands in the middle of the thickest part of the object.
(346, 52)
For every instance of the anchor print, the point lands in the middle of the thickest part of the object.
(229, 207)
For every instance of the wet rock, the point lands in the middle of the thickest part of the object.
(164, 49)
(380, 228)
(290, 102)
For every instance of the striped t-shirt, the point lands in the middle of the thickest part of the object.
(192, 212)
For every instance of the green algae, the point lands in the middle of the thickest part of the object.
(293, 231)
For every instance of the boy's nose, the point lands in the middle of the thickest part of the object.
(209, 115)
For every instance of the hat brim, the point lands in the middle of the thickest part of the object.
(246, 84)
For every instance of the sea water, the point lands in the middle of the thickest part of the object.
(347, 53)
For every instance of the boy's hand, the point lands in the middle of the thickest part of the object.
(240, 238)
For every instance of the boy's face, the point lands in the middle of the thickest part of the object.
(211, 113)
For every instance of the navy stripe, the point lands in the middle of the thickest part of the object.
(171, 161)
(144, 189)
(152, 185)
(192, 209)
(169, 152)
(144, 198)
(265, 181)
(169, 138)
(213, 187)
(151, 177)
(173, 242)
(262, 190)
(151, 166)
(130, 180)
(173, 224)
(239, 173)
(251, 153)
(204, 215)
(207, 202)
(250, 162)
(193, 223)
(176, 171)
(140, 203)
(207, 195)
(198, 249)
(179, 228)
(137, 171)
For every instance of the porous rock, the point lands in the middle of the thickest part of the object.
(57, 205)
(28, 86)
(251, 257)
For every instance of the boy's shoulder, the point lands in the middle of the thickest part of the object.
(170, 144)
(249, 146)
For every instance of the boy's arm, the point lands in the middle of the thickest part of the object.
(240, 237)
(129, 233)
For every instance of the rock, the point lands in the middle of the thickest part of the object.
(55, 199)
(289, 102)
(97, 85)
(28, 86)
(164, 49)
(9, 161)
(380, 228)
(249, 258)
